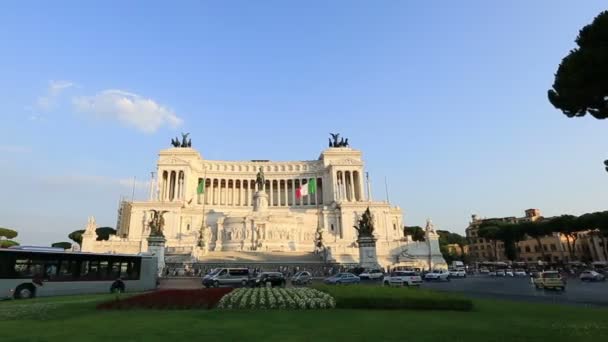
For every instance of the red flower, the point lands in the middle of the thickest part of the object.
(169, 299)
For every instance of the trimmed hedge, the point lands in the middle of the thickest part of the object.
(169, 299)
(395, 298)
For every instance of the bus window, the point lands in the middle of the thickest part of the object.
(103, 269)
(84, 269)
(114, 270)
(22, 268)
(124, 273)
(134, 271)
(50, 270)
(67, 269)
(93, 269)
(25, 268)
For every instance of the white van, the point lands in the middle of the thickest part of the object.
(227, 277)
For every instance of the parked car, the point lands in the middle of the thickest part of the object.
(228, 277)
(437, 275)
(501, 273)
(371, 274)
(301, 278)
(548, 280)
(275, 279)
(509, 273)
(484, 270)
(492, 273)
(209, 275)
(458, 273)
(519, 272)
(591, 276)
(402, 278)
(343, 278)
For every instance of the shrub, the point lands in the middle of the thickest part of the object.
(169, 299)
(373, 297)
(277, 298)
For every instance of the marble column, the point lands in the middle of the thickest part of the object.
(352, 187)
(293, 192)
(271, 194)
(232, 192)
(286, 193)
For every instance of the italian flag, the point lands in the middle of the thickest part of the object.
(309, 188)
(201, 187)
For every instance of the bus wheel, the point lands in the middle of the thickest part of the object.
(117, 287)
(25, 291)
(216, 284)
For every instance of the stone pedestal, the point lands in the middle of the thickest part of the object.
(367, 252)
(156, 246)
(260, 201)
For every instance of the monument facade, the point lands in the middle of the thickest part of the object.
(262, 210)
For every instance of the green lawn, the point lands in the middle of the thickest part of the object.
(75, 319)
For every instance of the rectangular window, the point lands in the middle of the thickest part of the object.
(67, 270)
(527, 249)
(553, 247)
(114, 270)
(103, 269)
(124, 266)
(545, 248)
(51, 268)
(93, 270)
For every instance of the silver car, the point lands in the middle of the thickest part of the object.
(228, 277)
(301, 278)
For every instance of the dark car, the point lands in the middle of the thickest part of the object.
(273, 278)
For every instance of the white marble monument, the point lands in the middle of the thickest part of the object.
(262, 218)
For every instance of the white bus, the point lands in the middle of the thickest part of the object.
(27, 272)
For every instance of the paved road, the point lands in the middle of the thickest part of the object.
(577, 292)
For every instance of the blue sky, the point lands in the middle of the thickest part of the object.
(446, 99)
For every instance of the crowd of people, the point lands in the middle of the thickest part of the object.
(199, 270)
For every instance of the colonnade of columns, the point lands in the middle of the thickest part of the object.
(239, 192)
(172, 185)
(348, 186)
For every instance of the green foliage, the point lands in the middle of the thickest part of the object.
(416, 232)
(491, 320)
(64, 245)
(76, 236)
(103, 233)
(448, 238)
(375, 297)
(8, 243)
(8, 233)
(581, 81)
(508, 233)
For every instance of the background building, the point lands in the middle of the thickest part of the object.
(587, 247)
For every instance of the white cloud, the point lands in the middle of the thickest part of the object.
(131, 109)
(15, 149)
(55, 88)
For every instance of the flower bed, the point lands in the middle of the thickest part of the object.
(376, 297)
(277, 298)
(170, 299)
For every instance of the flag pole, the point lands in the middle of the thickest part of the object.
(133, 192)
